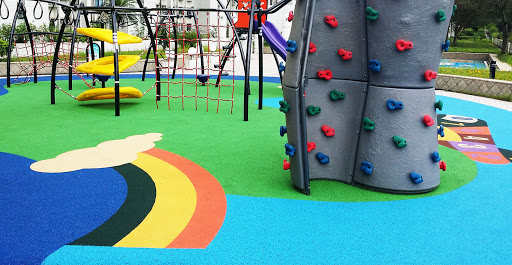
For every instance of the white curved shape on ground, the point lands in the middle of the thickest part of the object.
(106, 154)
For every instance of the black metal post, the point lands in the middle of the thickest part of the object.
(91, 42)
(492, 70)
(102, 52)
(260, 51)
(199, 42)
(56, 53)
(116, 59)
(155, 52)
(72, 53)
(31, 39)
(247, 86)
(9, 53)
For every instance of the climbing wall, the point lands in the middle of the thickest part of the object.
(359, 93)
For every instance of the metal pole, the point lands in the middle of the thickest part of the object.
(247, 86)
(31, 38)
(56, 53)
(71, 54)
(116, 60)
(260, 50)
(10, 45)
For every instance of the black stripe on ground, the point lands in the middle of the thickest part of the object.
(139, 201)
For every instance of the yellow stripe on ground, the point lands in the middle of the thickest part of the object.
(174, 206)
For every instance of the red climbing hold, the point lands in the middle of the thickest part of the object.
(311, 146)
(328, 131)
(327, 74)
(331, 20)
(286, 165)
(290, 16)
(402, 45)
(427, 120)
(429, 75)
(442, 165)
(345, 55)
(312, 47)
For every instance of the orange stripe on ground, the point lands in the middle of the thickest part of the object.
(211, 202)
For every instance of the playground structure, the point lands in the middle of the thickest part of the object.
(382, 80)
(360, 105)
(64, 53)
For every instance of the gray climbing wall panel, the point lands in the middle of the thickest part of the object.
(295, 138)
(411, 21)
(392, 165)
(401, 77)
(340, 148)
(349, 35)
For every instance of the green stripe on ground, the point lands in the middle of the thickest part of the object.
(139, 201)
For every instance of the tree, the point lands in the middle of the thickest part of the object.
(502, 9)
(469, 14)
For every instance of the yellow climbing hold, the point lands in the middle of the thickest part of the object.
(109, 93)
(106, 35)
(105, 65)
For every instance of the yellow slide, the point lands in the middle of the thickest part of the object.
(109, 93)
(106, 35)
(105, 65)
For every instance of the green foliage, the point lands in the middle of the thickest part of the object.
(480, 34)
(475, 46)
(493, 30)
(4, 47)
(468, 32)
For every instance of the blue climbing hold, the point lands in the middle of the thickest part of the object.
(416, 178)
(290, 150)
(102, 78)
(440, 131)
(394, 104)
(367, 167)
(374, 65)
(281, 67)
(202, 78)
(322, 158)
(282, 131)
(291, 46)
(446, 46)
(436, 157)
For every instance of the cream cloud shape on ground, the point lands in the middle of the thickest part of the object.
(107, 154)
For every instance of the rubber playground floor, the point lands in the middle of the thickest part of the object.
(184, 186)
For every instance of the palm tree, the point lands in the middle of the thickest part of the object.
(124, 20)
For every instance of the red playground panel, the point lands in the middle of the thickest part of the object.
(243, 18)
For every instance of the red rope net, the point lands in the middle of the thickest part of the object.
(195, 80)
(23, 56)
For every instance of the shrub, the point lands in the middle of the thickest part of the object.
(4, 47)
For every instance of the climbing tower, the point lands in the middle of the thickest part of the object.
(359, 93)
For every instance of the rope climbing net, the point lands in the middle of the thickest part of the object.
(200, 56)
(26, 60)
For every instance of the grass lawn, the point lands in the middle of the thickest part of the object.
(474, 46)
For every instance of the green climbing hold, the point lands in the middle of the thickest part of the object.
(440, 15)
(399, 141)
(336, 95)
(285, 107)
(312, 110)
(439, 105)
(371, 14)
(368, 124)
(454, 9)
